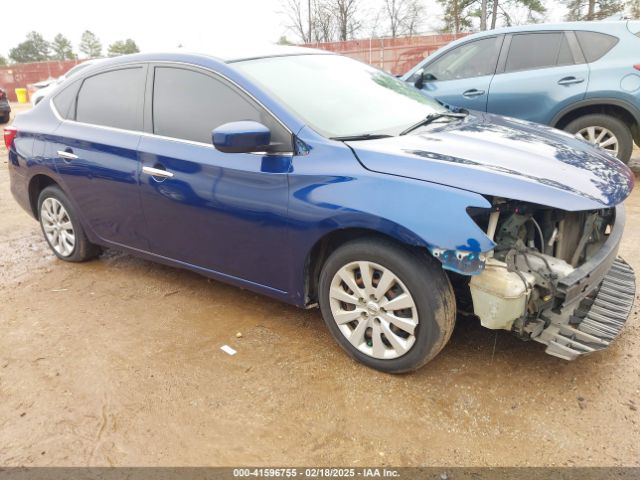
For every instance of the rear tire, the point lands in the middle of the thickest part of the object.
(604, 128)
(387, 339)
(61, 227)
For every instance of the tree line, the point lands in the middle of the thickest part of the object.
(313, 21)
(36, 49)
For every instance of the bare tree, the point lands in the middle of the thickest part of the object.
(404, 16)
(415, 17)
(508, 11)
(347, 17)
(297, 16)
(322, 21)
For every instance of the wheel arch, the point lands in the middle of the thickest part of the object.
(37, 184)
(331, 241)
(606, 106)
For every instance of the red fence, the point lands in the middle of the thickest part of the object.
(24, 74)
(394, 55)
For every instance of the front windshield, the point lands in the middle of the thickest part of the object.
(338, 96)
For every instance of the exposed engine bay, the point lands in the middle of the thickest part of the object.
(540, 252)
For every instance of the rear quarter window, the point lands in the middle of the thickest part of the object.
(65, 101)
(595, 45)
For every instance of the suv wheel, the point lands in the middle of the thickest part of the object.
(606, 131)
(389, 307)
(61, 227)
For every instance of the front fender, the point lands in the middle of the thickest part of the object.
(412, 211)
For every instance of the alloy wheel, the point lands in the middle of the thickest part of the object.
(600, 136)
(373, 309)
(57, 227)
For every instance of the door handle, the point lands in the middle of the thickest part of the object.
(473, 92)
(570, 80)
(157, 172)
(66, 155)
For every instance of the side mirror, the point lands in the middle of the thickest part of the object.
(241, 137)
(420, 77)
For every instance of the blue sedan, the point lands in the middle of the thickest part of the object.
(321, 181)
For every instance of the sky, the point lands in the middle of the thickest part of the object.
(206, 26)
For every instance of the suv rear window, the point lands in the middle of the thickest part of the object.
(595, 45)
(113, 99)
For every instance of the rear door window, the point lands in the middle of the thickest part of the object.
(189, 104)
(472, 59)
(529, 51)
(595, 45)
(113, 99)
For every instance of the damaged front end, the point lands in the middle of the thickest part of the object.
(553, 276)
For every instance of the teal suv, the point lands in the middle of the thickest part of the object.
(580, 77)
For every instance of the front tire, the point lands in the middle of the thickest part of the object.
(387, 306)
(609, 132)
(62, 229)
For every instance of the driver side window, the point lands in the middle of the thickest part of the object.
(472, 59)
(189, 104)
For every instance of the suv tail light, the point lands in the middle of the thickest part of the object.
(9, 134)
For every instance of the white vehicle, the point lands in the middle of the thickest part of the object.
(44, 91)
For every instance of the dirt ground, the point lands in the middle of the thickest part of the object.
(118, 362)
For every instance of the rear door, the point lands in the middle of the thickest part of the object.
(461, 77)
(224, 212)
(538, 75)
(95, 151)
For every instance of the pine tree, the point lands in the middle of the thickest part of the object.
(122, 48)
(61, 47)
(579, 10)
(90, 45)
(34, 49)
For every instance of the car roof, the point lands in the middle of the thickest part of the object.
(225, 56)
(604, 26)
(236, 54)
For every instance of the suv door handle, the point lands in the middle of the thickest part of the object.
(157, 172)
(66, 155)
(473, 92)
(570, 80)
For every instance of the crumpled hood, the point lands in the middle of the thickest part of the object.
(504, 157)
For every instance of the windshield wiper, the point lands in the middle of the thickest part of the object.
(432, 117)
(364, 136)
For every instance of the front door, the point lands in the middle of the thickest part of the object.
(461, 77)
(223, 212)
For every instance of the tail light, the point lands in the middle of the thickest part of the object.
(637, 66)
(3, 95)
(9, 134)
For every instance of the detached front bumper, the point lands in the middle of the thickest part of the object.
(598, 318)
(594, 302)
